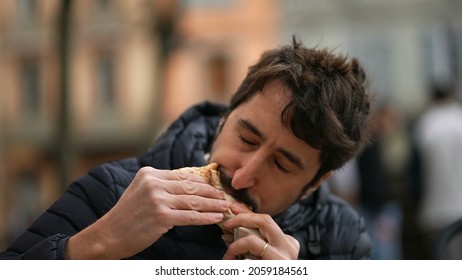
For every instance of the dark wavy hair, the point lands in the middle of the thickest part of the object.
(330, 105)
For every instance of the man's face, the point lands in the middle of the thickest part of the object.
(263, 160)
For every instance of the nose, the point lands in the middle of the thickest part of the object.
(247, 173)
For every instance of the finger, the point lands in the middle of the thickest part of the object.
(198, 203)
(249, 245)
(183, 175)
(263, 222)
(294, 243)
(193, 218)
(170, 174)
(253, 247)
(190, 188)
(238, 207)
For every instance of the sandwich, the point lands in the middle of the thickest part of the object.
(212, 177)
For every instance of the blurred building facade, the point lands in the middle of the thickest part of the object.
(109, 93)
(134, 66)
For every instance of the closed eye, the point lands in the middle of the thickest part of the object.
(246, 141)
(280, 167)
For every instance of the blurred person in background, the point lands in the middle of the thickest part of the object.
(299, 114)
(365, 183)
(377, 203)
(436, 165)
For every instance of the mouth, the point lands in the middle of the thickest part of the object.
(241, 195)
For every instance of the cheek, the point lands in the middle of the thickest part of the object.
(222, 151)
(225, 148)
(275, 198)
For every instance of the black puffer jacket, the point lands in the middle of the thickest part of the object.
(323, 224)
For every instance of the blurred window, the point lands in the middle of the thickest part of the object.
(28, 182)
(101, 10)
(375, 53)
(440, 59)
(206, 3)
(26, 205)
(442, 55)
(217, 67)
(105, 81)
(26, 11)
(102, 6)
(458, 58)
(30, 85)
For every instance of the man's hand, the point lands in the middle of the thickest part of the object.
(274, 244)
(155, 202)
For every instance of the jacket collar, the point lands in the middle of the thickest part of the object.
(303, 211)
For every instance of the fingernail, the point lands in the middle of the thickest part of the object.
(221, 194)
(224, 204)
(218, 216)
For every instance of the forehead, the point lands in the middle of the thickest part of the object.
(273, 98)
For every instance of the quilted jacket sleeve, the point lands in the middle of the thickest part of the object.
(85, 201)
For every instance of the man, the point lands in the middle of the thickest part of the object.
(436, 166)
(298, 115)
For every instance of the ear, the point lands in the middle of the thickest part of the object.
(316, 185)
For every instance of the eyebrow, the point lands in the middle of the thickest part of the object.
(251, 127)
(290, 156)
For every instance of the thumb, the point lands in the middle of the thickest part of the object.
(238, 207)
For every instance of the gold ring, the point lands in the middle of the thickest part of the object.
(263, 251)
